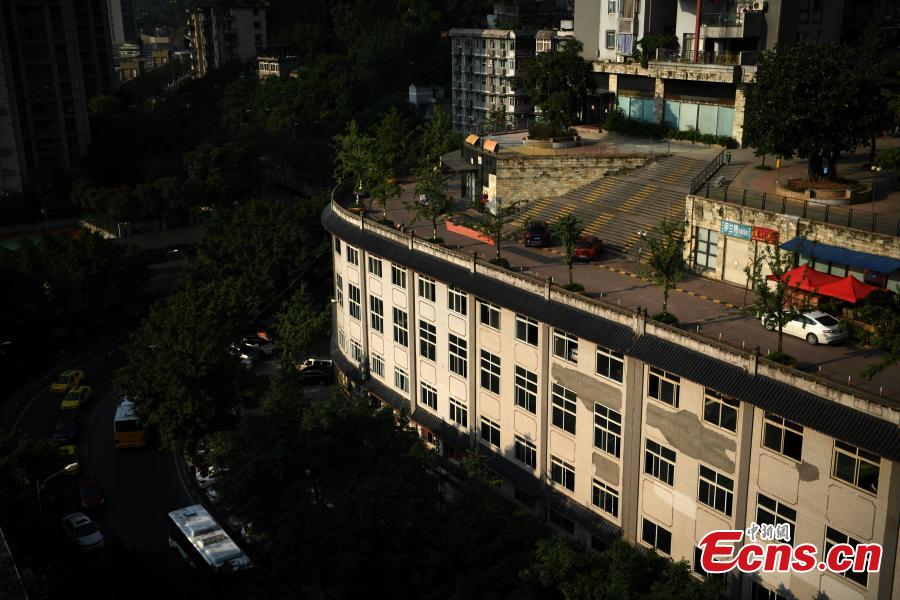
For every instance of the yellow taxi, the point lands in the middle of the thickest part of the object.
(66, 381)
(76, 397)
(68, 454)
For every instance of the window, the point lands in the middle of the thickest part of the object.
(607, 429)
(378, 365)
(525, 452)
(856, 466)
(401, 327)
(353, 294)
(605, 497)
(342, 339)
(720, 410)
(611, 36)
(375, 266)
(427, 339)
(611, 7)
(337, 246)
(429, 396)
(458, 355)
(564, 408)
(716, 490)
(758, 592)
(401, 379)
(527, 330)
(565, 346)
(783, 436)
(398, 276)
(560, 521)
(707, 248)
(376, 313)
(526, 389)
(490, 315)
(459, 413)
(356, 352)
(659, 462)
(698, 566)
(773, 512)
(656, 536)
(490, 372)
(664, 386)
(610, 365)
(352, 255)
(834, 537)
(490, 432)
(562, 473)
(426, 288)
(339, 290)
(457, 301)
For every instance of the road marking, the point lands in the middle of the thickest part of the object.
(85, 444)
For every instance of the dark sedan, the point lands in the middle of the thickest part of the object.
(537, 234)
(66, 426)
(91, 493)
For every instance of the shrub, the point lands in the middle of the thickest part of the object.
(618, 121)
(500, 262)
(545, 131)
(436, 240)
(783, 359)
(665, 317)
(574, 287)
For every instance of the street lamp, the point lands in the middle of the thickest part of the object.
(69, 468)
(875, 170)
(642, 235)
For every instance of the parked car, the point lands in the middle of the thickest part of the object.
(263, 346)
(248, 356)
(206, 476)
(316, 371)
(66, 426)
(90, 492)
(537, 234)
(588, 247)
(66, 381)
(214, 496)
(815, 327)
(82, 532)
(76, 397)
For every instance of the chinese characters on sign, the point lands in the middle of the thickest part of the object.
(735, 230)
(764, 234)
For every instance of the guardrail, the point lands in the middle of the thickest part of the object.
(887, 223)
(700, 178)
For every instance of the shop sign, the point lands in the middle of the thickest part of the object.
(764, 234)
(735, 230)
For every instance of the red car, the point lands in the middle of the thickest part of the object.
(588, 248)
(90, 492)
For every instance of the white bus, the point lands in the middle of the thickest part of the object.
(128, 431)
(199, 539)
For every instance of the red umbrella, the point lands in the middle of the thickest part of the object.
(849, 289)
(808, 279)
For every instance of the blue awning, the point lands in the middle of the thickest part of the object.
(842, 256)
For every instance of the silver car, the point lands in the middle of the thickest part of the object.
(83, 532)
(815, 327)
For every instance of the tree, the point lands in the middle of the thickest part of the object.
(496, 120)
(437, 138)
(881, 309)
(355, 156)
(651, 43)
(221, 174)
(383, 187)
(773, 297)
(666, 257)
(567, 230)
(557, 82)
(300, 326)
(814, 102)
(391, 136)
(430, 203)
(493, 222)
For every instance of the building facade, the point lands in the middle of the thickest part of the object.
(485, 62)
(606, 424)
(275, 65)
(122, 23)
(700, 83)
(220, 33)
(54, 57)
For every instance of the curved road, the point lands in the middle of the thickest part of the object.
(141, 485)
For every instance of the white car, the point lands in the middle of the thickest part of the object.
(815, 327)
(207, 476)
(265, 347)
(82, 532)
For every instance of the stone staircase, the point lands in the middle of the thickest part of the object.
(617, 208)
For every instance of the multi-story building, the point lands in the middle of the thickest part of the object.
(122, 23)
(277, 64)
(220, 33)
(485, 63)
(54, 57)
(607, 424)
(700, 84)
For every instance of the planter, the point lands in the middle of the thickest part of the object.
(832, 197)
(357, 210)
(569, 141)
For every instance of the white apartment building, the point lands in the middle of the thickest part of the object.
(606, 424)
(219, 33)
(484, 65)
(700, 84)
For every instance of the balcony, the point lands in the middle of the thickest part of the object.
(734, 24)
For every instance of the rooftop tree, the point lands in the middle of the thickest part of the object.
(666, 260)
(567, 230)
(355, 157)
(557, 82)
(430, 202)
(492, 223)
(813, 102)
(772, 298)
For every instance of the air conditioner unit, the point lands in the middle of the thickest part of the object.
(760, 6)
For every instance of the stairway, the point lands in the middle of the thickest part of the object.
(616, 208)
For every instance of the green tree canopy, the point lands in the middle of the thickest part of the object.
(431, 201)
(557, 82)
(567, 229)
(772, 299)
(814, 102)
(221, 174)
(666, 257)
